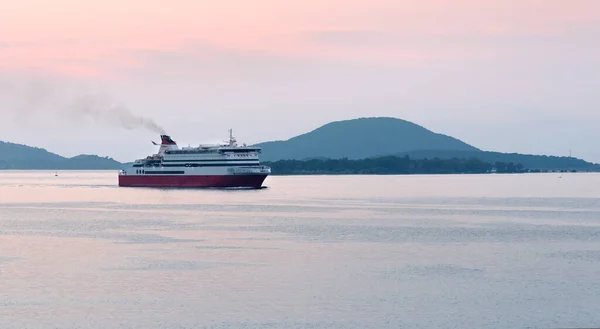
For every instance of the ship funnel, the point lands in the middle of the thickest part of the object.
(166, 140)
(166, 143)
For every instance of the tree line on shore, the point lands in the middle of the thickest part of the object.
(391, 165)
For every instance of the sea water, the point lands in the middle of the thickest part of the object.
(446, 251)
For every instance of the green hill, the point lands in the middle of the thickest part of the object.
(376, 137)
(11, 151)
(91, 162)
(359, 139)
(17, 156)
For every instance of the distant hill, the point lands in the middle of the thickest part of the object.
(359, 139)
(91, 162)
(11, 152)
(376, 137)
(356, 139)
(17, 156)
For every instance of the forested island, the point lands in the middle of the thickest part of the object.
(391, 165)
(365, 138)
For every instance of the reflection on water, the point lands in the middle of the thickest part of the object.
(464, 251)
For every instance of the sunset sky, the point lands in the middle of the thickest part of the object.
(511, 76)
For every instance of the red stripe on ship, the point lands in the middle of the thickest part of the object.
(253, 181)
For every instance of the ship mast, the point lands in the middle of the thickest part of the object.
(232, 141)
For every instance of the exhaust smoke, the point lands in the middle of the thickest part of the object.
(30, 99)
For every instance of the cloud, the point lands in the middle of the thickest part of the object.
(12, 45)
(539, 67)
(419, 47)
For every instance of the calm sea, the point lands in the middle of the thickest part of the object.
(459, 251)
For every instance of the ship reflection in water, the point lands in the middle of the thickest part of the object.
(226, 165)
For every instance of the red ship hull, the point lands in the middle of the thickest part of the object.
(249, 181)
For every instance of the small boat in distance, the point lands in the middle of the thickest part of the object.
(221, 165)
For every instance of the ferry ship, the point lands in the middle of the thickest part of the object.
(220, 165)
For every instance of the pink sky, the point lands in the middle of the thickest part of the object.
(272, 69)
(73, 37)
